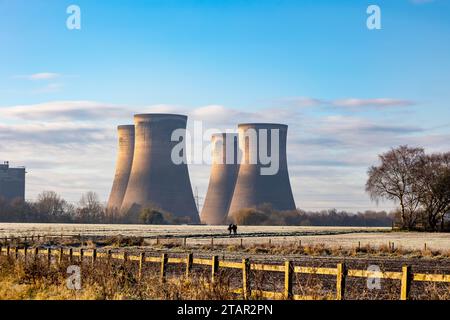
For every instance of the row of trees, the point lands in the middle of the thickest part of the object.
(418, 182)
(265, 215)
(50, 207)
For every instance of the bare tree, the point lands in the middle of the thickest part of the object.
(90, 208)
(51, 205)
(394, 180)
(433, 186)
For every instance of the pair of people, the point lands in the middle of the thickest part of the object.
(232, 228)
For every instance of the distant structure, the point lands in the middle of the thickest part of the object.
(123, 168)
(155, 180)
(222, 179)
(252, 188)
(12, 182)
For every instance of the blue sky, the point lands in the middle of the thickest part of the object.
(348, 93)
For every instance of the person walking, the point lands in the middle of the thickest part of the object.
(235, 229)
(230, 228)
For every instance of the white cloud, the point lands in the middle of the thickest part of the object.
(70, 146)
(65, 110)
(40, 76)
(378, 102)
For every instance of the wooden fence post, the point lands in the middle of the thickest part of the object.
(214, 267)
(189, 260)
(340, 281)
(71, 255)
(141, 264)
(25, 253)
(108, 254)
(81, 255)
(8, 250)
(184, 242)
(125, 258)
(61, 255)
(36, 253)
(406, 283)
(94, 256)
(242, 245)
(212, 243)
(1, 252)
(245, 278)
(288, 279)
(163, 267)
(16, 253)
(49, 256)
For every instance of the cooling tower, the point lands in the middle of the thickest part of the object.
(123, 167)
(222, 179)
(155, 180)
(256, 183)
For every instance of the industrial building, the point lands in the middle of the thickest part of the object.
(123, 168)
(155, 180)
(222, 179)
(12, 182)
(254, 188)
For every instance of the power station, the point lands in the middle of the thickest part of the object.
(222, 180)
(12, 182)
(155, 180)
(256, 182)
(123, 167)
(249, 169)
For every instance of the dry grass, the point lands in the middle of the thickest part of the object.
(118, 280)
(103, 281)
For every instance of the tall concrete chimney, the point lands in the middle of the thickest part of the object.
(222, 179)
(253, 188)
(155, 180)
(123, 167)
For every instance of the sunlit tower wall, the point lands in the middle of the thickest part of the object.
(156, 181)
(253, 188)
(124, 162)
(222, 180)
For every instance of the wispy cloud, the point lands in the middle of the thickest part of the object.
(40, 76)
(66, 111)
(305, 102)
(378, 102)
(66, 143)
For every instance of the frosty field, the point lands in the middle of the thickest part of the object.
(200, 234)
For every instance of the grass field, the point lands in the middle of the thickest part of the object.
(346, 237)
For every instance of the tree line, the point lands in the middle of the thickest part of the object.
(418, 182)
(50, 207)
(265, 215)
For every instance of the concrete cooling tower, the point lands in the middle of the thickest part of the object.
(123, 167)
(222, 179)
(155, 180)
(256, 183)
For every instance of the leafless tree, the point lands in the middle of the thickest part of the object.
(50, 204)
(433, 186)
(90, 209)
(394, 179)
